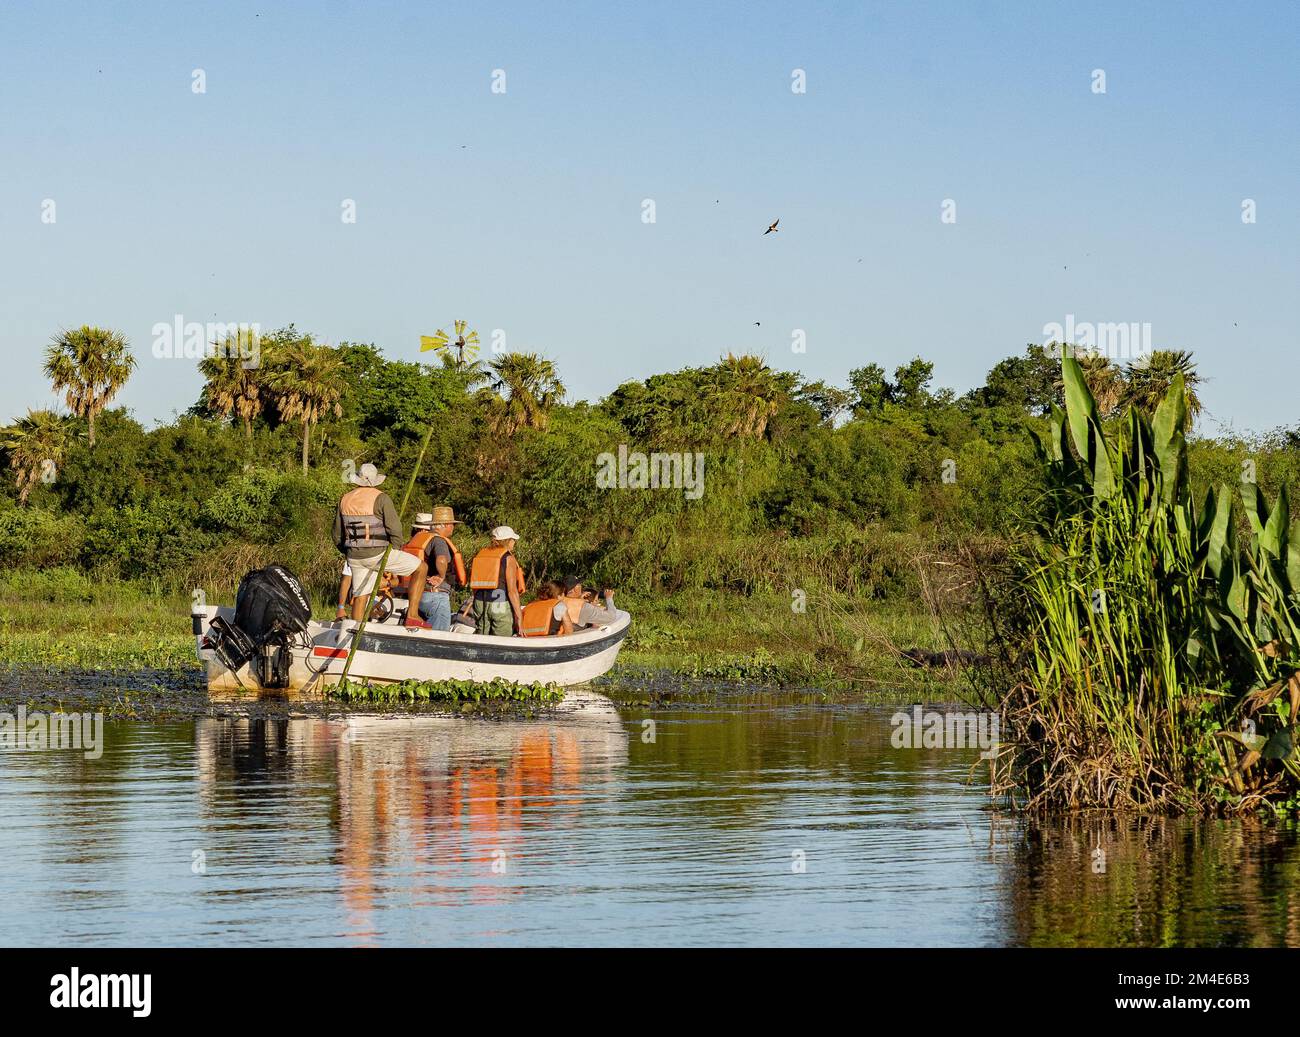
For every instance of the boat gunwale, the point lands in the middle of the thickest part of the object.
(478, 648)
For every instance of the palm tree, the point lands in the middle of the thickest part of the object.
(306, 383)
(89, 365)
(746, 394)
(1149, 379)
(471, 373)
(36, 446)
(1104, 378)
(529, 385)
(232, 389)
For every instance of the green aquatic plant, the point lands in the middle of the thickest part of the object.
(1156, 656)
(452, 692)
(755, 668)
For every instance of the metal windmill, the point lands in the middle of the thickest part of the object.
(465, 342)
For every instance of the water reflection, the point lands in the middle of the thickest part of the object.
(767, 820)
(1155, 882)
(429, 811)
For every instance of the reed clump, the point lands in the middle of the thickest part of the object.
(1153, 654)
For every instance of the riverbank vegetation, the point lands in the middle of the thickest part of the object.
(1153, 653)
(834, 528)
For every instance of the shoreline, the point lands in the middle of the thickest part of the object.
(178, 693)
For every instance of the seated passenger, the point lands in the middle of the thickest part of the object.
(548, 615)
(497, 581)
(431, 541)
(584, 613)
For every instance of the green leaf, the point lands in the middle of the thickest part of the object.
(1279, 746)
(1220, 530)
(1171, 415)
(1170, 443)
(1256, 506)
(1293, 558)
(1103, 475)
(1235, 595)
(1273, 536)
(1080, 407)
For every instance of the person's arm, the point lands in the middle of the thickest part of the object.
(594, 615)
(561, 615)
(438, 566)
(392, 524)
(338, 529)
(512, 592)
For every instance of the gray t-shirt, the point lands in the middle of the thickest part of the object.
(589, 615)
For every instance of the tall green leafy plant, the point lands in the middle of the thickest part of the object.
(1152, 648)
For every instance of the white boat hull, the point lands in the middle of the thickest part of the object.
(389, 654)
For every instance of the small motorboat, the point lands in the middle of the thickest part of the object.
(267, 647)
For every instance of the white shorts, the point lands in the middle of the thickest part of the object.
(363, 569)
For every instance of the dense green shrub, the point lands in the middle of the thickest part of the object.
(265, 506)
(36, 537)
(155, 538)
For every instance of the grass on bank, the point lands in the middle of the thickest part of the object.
(60, 618)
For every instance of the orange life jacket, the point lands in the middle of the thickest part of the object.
(418, 545)
(415, 546)
(457, 562)
(362, 529)
(487, 571)
(538, 619)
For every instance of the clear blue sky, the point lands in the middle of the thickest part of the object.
(522, 211)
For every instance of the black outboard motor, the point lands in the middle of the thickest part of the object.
(271, 608)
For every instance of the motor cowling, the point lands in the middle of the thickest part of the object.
(271, 608)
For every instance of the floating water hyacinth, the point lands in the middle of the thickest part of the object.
(458, 691)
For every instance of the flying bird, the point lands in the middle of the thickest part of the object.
(771, 228)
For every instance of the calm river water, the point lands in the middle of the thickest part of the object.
(766, 821)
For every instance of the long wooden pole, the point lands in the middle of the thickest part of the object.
(383, 561)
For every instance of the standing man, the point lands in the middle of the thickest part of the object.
(446, 567)
(497, 581)
(366, 522)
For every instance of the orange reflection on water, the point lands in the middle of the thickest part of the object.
(438, 811)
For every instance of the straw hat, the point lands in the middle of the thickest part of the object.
(444, 516)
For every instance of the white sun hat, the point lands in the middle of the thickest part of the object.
(367, 475)
(504, 533)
